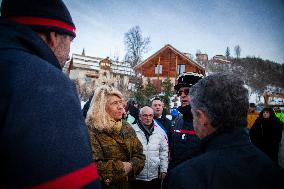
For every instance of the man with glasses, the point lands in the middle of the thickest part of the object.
(155, 148)
(184, 142)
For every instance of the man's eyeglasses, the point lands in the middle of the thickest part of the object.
(185, 91)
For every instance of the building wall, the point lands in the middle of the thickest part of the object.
(88, 74)
(201, 57)
(169, 61)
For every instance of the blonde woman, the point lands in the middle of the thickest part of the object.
(116, 148)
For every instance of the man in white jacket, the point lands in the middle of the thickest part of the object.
(155, 148)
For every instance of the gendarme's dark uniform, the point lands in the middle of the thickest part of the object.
(184, 142)
(42, 131)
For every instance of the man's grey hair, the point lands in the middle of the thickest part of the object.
(223, 98)
(142, 110)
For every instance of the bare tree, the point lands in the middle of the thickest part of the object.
(228, 53)
(135, 45)
(238, 51)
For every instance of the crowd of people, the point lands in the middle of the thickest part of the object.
(215, 138)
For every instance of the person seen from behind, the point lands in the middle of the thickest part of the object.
(229, 159)
(44, 141)
(116, 148)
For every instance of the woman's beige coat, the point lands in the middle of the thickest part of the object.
(110, 149)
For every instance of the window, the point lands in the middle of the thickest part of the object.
(180, 68)
(158, 69)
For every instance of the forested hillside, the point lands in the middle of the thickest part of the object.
(258, 74)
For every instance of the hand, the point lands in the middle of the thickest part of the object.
(162, 175)
(127, 167)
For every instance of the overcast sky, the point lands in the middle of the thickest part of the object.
(188, 25)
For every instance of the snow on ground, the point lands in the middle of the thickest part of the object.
(254, 98)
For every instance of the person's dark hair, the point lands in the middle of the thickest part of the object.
(271, 112)
(223, 98)
(156, 98)
(133, 111)
(131, 102)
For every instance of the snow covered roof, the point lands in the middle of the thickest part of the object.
(183, 55)
(93, 63)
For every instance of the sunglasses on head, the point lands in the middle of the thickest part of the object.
(185, 91)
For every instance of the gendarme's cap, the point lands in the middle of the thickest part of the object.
(187, 80)
(40, 15)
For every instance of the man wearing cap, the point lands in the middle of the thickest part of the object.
(44, 142)
(185, 143)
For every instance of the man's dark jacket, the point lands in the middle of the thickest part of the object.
(230, 161)
(184, 142)
(165, 122)
(42, 132)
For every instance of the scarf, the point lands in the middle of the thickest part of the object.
(147, 132)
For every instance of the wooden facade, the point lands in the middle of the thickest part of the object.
(167, 62)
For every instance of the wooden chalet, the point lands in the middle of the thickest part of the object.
(167, 62)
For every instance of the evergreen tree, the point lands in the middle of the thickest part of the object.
(143, 94)
(228, 53)
(139, 92)
(167, 90)
(149, 91)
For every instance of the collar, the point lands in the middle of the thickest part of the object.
(223, 138)
(186, 112)
(116, 125)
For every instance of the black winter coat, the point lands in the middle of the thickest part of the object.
(266, 135)
(184, 142)
(42, 131)
(229, 161)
